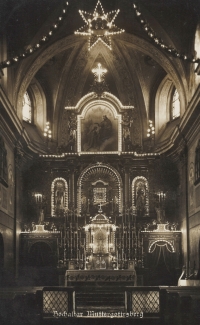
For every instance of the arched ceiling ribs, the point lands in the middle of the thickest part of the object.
(25, 75)
(64, 84)
(137, 84)
(172, 66)
(74, 84)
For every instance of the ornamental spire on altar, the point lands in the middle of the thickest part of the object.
(99, 26)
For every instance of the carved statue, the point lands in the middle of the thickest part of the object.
(126, 123)
(59, 196)
(72, 126)
(160, 215)
(141, 202)
(41, 217)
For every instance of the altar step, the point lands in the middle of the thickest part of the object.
(100, 299)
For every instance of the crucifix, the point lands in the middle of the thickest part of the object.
(100, 209)
(99, 72)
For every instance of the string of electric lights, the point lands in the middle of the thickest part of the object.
(158, 41)
(7, 63)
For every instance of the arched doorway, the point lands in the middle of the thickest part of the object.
(41, 255)
(41, 268)
(162, 261)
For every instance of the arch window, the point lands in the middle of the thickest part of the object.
(27, 108)
(175, 105)
(197, 163)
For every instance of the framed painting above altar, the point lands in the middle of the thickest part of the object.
(99, 129)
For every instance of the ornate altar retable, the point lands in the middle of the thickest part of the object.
(100, 258)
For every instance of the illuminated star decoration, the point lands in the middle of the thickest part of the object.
(99, 26)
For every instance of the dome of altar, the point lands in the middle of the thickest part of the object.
(100, 218)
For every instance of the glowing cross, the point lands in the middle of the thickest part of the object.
(99, 72)
(100, 209)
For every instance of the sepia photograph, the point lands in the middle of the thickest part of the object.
(99, 162)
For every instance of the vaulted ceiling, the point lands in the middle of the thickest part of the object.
(63, 66)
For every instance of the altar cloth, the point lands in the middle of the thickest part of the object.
(81, 277)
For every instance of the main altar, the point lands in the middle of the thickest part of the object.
(100, 258)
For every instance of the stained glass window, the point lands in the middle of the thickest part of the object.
(27, 108)
(175, 105)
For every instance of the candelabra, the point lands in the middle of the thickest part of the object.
(151, 134)
(47, 132)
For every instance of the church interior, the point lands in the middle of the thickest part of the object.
(99, 161)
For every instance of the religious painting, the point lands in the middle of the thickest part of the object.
(99, 195)
(99, 130)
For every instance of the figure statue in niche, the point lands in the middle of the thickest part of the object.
(141, 203)
(59, 196)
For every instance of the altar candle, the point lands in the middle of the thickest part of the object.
(132, 238)
(142, 245)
